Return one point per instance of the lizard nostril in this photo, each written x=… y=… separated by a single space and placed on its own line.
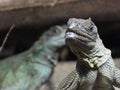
x=69 y=30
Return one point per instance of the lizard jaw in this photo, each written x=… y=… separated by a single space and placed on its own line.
x=79 y=34
x=75 y=36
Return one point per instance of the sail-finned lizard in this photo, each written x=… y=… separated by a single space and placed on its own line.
x=95 y=69
x=29 y=70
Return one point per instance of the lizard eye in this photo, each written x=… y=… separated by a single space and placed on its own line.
x=91 y=28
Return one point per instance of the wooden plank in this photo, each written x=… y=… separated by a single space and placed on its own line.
x=99 y=10
x=17 y=4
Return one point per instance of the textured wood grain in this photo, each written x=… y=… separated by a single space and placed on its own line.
x=49 y=12
x=17 y=4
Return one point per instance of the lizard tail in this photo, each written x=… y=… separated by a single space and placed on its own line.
x=70 y=82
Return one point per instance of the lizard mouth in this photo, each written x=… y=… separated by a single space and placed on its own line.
x=75 y=34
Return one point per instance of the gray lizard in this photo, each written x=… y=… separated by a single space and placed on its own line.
x=30 y=69
x=95 y=69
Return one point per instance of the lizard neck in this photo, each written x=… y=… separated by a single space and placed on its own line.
x=46 y=50
x=97 y=56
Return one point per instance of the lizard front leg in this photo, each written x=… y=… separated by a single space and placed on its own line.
x=104 y=80
x=80 y=79
x=103 y=83
x=116 y=77
x=71 y=82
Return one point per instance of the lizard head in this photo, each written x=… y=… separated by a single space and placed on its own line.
x=81 y=33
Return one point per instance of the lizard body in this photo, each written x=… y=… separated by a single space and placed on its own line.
x=95 y=69
x=30 y=69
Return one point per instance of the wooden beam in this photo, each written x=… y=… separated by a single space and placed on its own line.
x=42 y=13
x=18 y=4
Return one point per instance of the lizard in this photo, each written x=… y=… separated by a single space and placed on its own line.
x=95 y=68
x=32 y=68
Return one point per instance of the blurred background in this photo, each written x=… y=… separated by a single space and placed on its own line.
x=33 y=17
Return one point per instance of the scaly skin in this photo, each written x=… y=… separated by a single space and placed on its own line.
x=95 y=69
x=30 y=69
